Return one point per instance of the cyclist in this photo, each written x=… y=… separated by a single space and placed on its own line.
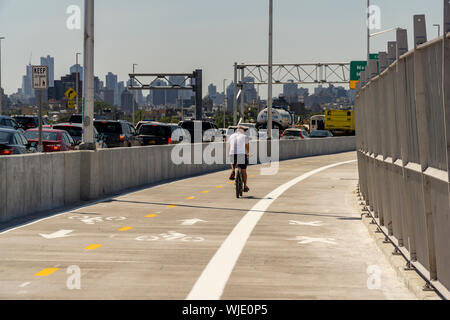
x=239 y=149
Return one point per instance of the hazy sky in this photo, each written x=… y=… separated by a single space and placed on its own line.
x=183 y=35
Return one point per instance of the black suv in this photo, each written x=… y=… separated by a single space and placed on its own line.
x=210 y=132
x=30 y=122
x=118 y=134
x=8 y=122
x=155 y=134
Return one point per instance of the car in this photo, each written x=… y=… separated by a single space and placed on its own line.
x=118 y=133
x=140 y=123
x=30 y=122
x=76 y=132
x=320 y=134
x=178 y=134
x=155 y=134
x=292 y=134
x=8 y=122
x=77 y=118
x=210 y=132
x=53 y=140
x=14 y=142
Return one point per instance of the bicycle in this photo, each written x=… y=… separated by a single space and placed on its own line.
x=239 y=183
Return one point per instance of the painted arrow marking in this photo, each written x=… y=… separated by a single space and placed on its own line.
x=306 y=240
x=191 y=222
x=312 y=224
x=57 y=234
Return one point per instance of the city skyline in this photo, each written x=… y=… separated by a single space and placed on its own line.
x=217 y=45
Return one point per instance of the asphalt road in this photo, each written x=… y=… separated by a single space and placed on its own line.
x=297 y=235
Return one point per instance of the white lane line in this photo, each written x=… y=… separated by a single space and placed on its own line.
x=212 y=281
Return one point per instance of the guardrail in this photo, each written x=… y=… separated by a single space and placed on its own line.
x=403 y=144
x=35 y=183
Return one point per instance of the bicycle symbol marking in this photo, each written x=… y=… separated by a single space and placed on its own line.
x=170 y=236
x=93 y=220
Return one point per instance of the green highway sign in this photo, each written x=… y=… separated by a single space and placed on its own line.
x=356 y=67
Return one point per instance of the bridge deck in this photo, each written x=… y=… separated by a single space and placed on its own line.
x=305 y=242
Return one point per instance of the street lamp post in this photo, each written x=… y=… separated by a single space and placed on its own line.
x=224 y=102
x=77 y=81
x=134 y=64
x=88 y=83
x=269 y=97
x=439 y=29
x=1 y=92
x=368 y=31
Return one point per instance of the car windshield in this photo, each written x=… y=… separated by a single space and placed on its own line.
x=155 y=130
x=75 y=119
x=188 y=125
x=46 y=136
x=319 y=133
x=73 y=131
x=108 y=127
x=292 y=133
x=5 y=137
x=24 y=120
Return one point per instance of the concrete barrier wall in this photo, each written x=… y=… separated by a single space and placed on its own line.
x=31 y=184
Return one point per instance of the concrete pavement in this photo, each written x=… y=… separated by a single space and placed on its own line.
x=157 y=243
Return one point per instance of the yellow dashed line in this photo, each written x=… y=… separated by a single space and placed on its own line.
x=46 y=272
x=172 y=206
x=125 y=228
x=219 y=187
x=205 y=191
x=151 y=215
x=230 y=182
x=190 y=198
x=93 y=247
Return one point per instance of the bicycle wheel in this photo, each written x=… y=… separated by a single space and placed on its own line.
x=238 y=184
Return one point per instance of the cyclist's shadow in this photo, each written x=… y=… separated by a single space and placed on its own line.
x=255 y=198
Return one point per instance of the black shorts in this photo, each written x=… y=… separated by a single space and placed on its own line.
x=241 y=160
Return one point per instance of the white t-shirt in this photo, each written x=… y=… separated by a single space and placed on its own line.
x=237 y=142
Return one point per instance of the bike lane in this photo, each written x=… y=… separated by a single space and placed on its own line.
x=150 y=244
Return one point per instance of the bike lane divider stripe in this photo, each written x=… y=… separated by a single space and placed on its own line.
x=46 y=272
x=211 y=283
x=93 y=247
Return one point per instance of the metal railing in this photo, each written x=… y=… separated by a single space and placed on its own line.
x=403 y=141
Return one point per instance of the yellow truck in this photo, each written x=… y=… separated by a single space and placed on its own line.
x=340 y=122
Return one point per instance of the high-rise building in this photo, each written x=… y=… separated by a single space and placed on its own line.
x=126 y=101
x=73 y=69
x=111 y=81
x=111 y=84
x=250 y=93
x=50 y=63
x=107 y=95
x=27 y=86
x=159 y=96
x=120 y=88
x=212 y=90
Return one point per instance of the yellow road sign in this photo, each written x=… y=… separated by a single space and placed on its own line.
x=70 y=94
x=70 y=104
x=353 y=84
